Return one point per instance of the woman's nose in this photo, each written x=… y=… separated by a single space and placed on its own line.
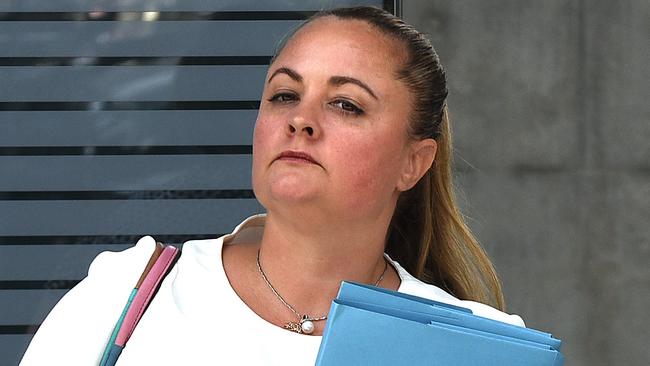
x=302 y=125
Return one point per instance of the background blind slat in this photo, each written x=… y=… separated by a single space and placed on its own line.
x=124 y=216
x=126 y=128
x=84 y=173
x=49 y=262
x=128 y=83
x=178 y=5
x=137 y=38
x=27 y=306
x=12 y=347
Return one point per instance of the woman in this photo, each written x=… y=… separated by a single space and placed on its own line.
x=351 y=159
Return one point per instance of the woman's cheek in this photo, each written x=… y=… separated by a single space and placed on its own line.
x=261 y=136
x=370 y=171
x=258 y=130
x=260 y=149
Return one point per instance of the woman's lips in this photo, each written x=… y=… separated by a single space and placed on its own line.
x=297 y=156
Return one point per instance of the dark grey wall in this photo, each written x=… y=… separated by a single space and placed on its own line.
x=552 y=129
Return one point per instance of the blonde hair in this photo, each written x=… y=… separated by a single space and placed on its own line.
x=429 y=237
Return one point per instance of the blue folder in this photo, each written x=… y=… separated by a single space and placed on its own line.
x=368 y=325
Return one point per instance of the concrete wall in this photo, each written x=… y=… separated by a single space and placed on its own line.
x=550 y=110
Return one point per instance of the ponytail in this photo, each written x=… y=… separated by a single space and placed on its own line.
x=429 y=237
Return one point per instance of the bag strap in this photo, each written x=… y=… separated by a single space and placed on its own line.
x=160 y=263
x=152 y=260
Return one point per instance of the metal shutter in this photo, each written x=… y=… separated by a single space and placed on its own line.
x=120 y=119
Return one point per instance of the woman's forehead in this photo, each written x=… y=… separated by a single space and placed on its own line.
x=337 y=45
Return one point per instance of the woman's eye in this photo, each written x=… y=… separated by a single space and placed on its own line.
x=347 y=107
x=283 y=97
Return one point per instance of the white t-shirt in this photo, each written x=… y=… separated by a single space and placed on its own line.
x=196 y=317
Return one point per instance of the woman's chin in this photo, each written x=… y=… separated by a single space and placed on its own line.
x=293 y=194
x=292 y=187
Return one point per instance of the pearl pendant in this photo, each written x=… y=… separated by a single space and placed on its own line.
x=306 y=325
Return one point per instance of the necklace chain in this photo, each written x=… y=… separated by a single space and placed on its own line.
x=298 y=327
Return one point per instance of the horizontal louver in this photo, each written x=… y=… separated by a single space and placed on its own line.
x=123 y=119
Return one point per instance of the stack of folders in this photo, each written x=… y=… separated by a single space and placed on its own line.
x=374 y=326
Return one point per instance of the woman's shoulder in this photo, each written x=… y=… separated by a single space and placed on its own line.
x=131 y=258
x=413 y=286
x=128 y=264
x=78 y=327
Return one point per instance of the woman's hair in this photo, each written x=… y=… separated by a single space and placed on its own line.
x=427 y=234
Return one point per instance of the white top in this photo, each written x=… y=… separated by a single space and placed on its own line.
x=195 y=319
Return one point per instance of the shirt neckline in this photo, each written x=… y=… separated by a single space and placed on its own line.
x=258 y=220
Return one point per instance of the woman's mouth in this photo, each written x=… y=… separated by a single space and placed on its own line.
x=297 y=156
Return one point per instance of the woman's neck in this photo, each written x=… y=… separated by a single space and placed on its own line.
x=306 y=262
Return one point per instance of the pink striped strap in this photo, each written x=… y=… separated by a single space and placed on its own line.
x=145 y=293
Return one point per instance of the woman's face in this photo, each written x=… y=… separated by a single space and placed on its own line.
x=332 y=93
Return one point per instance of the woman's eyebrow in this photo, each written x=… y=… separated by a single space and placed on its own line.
x=285 y=70
x=334 y=80
x=340 y=80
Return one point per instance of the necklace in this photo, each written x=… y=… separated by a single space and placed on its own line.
x=306 y=323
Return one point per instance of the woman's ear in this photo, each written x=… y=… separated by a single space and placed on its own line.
x=420 y=156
